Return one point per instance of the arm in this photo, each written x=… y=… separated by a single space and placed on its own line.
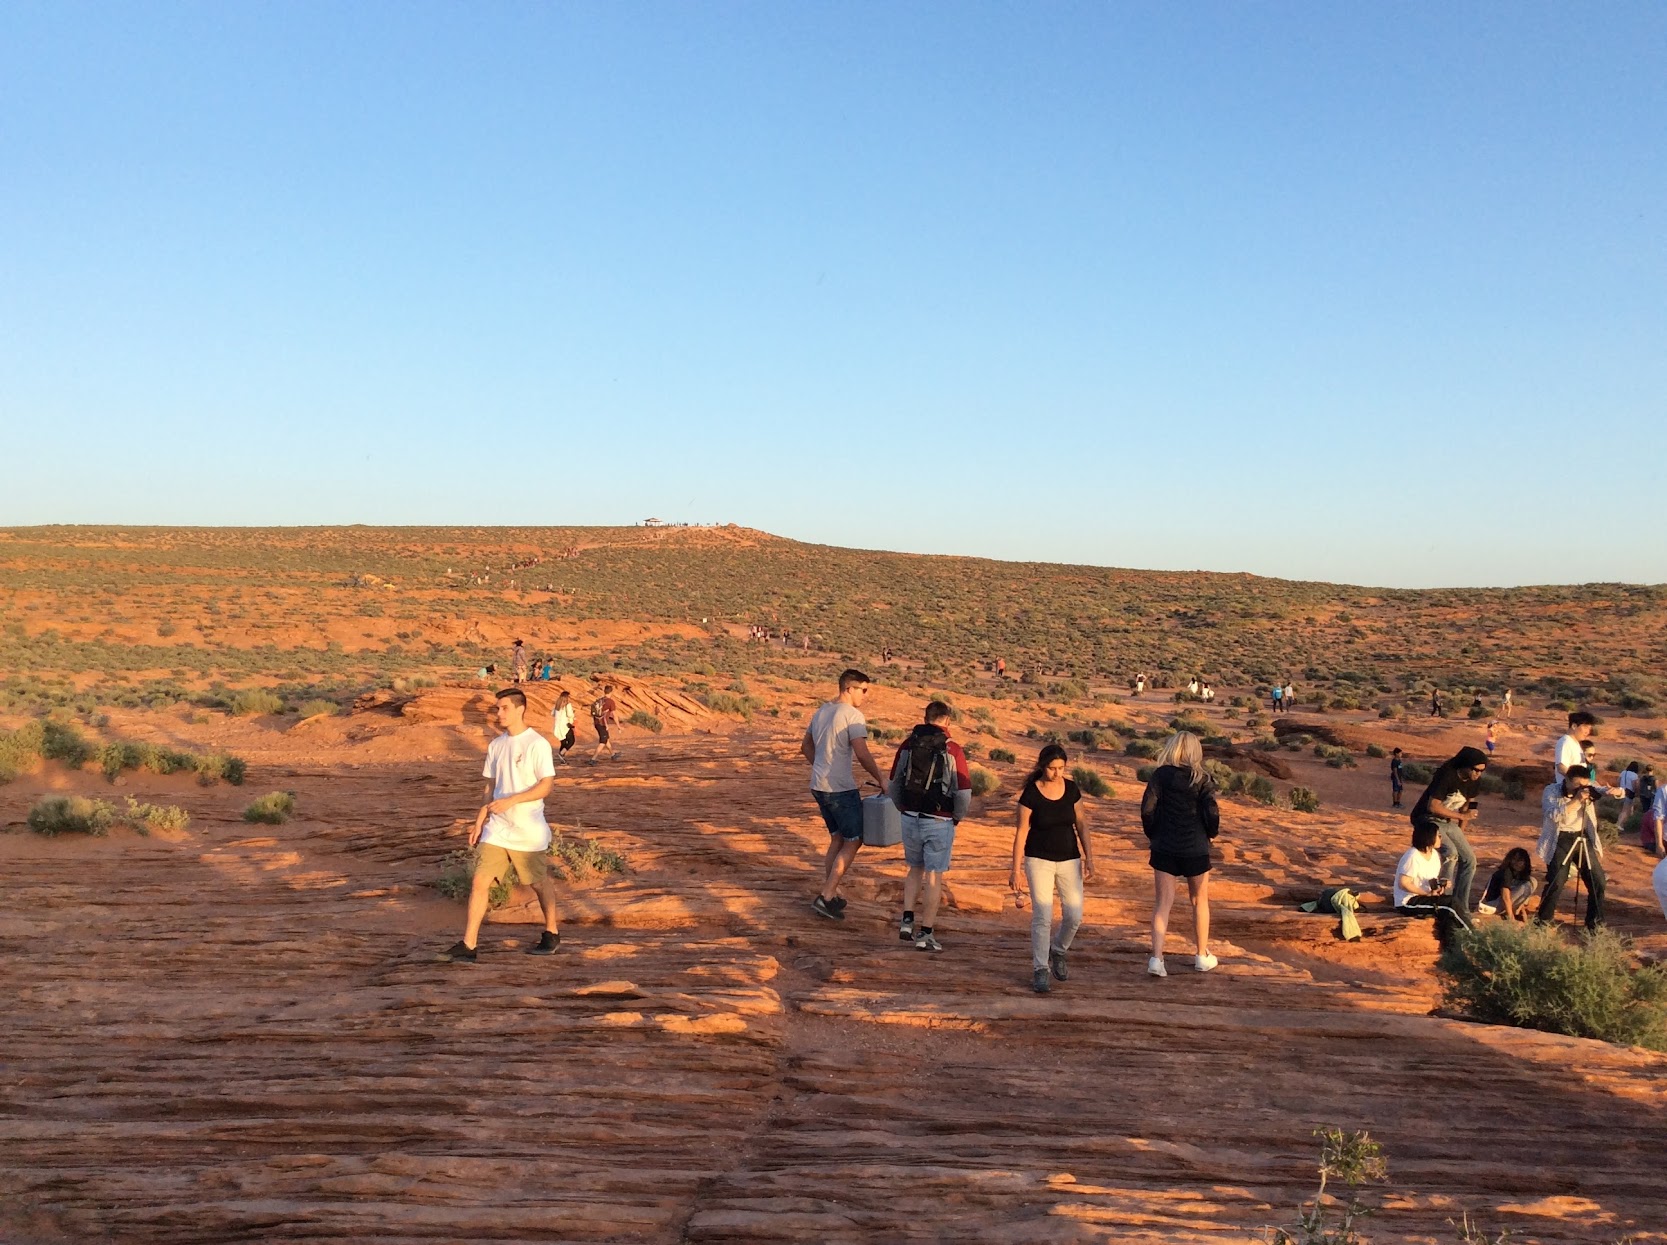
x=538 y=791
x=865 y=758
x=1209 y=811
x=480 y=817
x=1085 y=842
x=807 y=746
x=1021 y=824
x=963 y=784
x=1416 y=886
x=1149 y=808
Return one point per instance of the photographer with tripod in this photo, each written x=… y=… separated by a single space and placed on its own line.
x=1569 y=840
x=1447 y=806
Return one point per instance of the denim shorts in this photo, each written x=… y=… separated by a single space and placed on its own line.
x=927 y=842
x=842 y=811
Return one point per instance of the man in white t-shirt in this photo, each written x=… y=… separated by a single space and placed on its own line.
x=513 y=836
x=1570 y=751
x=836 y=738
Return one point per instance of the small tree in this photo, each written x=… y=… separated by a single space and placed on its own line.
x=1356 y=1160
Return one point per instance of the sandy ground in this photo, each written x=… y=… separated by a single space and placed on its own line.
x=239 y=1032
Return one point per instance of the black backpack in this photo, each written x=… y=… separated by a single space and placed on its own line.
x=1646 y=790
x=928 y=775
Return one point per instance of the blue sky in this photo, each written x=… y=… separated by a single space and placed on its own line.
x=1366 y=293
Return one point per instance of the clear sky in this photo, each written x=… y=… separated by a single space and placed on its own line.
x=1374 y=293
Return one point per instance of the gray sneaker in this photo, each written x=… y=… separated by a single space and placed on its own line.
x=906 y=931
x=926 y=942
x=823 y=908
x=1056 y=961
x=1039 y=981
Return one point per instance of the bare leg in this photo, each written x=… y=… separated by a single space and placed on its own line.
x=1199 y=889
x=1163 y=892
x=911 y=889
x=934 y=891
x=477 y=907
x=547 y=901
x=841 y=852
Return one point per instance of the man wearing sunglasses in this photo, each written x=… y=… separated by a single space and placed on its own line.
x=837 y=738
x=1449 y=805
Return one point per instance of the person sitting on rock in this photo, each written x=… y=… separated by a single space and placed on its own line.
x=1419 y=888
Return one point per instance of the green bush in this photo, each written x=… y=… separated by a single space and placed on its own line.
x=1356 y=1160
x=273 y=808
x=1145 y=749
x=71 y=814
x=19 y=750
x=1303 y=800
x=62 y=742
x=1375 y=750
x=317 y=706
x=983 y=781
x=741 y=706
x=1530 y=976
x=1002 y=754
x=568 y=856
x=253 y=701
x=219 y=766
x=646 y=720
x=155 y=816
x=1193 y=723
x=1418 y=771
x=1145 y=772
x=1091 y=781
x=1334 y=756
x=1087 y=737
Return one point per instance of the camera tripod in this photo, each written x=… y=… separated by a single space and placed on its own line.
x=1576 y=858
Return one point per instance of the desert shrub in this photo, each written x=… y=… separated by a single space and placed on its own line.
x=646 y=720
x=741 y=706
x=1418 y=771
x=71 y=814
x=1561 y=706
x=253 y=701
x=1353 y=1158
x=219 y=766
x=1091 y=781
x=273 y=808
x=1087 y=737
x=1514 y=789
x=1345 y=702
x=1632 y=702
x=317 y=706
x=1375 y=750
x=576 y=854
x=983 y=781
x=116 y=757
x=1230 y=781
x=1388 y=711
x=1267 y=742
x=1067 y=690
x=1334 y=756
x=155 y=816
x=1142 y=748
x=1145 y=772
x=1657 y=734
x=1002 y=754
x=1191 y=722
x=62 y=742
x=1303 y=800
x=1478 y=711
x=1530 y=976
x=19 y=750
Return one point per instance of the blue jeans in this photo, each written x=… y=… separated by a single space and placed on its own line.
x=1458 y=865
x=842 y=812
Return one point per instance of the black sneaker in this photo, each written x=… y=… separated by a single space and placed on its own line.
x=546 y=944
x=458 y=953
x=824 y=908
x=1039 y=981
x=906 y=931
x=1056 y=961
x=837 y=902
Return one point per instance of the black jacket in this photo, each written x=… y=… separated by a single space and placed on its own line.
x=1179 y=818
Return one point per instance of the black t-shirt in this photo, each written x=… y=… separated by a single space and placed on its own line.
x=1053 y=823
x=1499 y=883
x=1446 y=783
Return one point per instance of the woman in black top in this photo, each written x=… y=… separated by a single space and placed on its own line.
x=1051 y=849
x=1449 y=805
x=1180 y=816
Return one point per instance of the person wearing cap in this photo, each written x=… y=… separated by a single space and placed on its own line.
x=1448 y=805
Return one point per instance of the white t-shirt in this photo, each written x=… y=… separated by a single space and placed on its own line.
x=833 y=727
x=1568 y=753
x=515 y=763
x=561 y=720
x=1629 y=780
x=1420 y=866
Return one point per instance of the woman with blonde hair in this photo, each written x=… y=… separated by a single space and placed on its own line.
x=1180 y=816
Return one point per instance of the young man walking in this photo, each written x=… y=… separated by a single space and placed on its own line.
x=1397 y=777
x=932 y=788
x=510 y=826
x=837 y=738
x=603 y=713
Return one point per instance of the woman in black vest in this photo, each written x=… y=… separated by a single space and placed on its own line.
x=1180 y=816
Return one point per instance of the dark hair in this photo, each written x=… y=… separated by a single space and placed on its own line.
x=1397 y=752
x=852 y=676
x=1519 y=865
x=514 y=694
x=1578 y=771
x=1424 y=835
x=1581 y=718
x=937 y=711
x=1632 y=767
x=1049 y=754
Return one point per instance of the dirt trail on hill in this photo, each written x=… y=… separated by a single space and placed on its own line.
x=239 y=1033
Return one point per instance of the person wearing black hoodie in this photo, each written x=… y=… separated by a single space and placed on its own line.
x=1449 y=805
x=1180 y=816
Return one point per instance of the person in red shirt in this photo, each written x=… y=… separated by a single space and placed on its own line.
x=932 y=788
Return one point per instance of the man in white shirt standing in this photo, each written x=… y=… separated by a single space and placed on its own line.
x=510 y=827
x=836 y=738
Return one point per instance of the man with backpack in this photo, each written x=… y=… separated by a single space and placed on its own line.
x=602 y=717
x=932 y=789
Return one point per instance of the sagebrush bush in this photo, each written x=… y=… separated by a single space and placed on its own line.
x=1144 y=749
x=71 y=814
x=983 y=781
x=317 y=706
x=1303 y=800
x=1003 y=754
x=646 y=720
x=155 y=816
x=1091 y=781
x=1530 y=976
x=62 y=742
x=569 y=855
x=273 y=808
x=19 y=750
x=253 y=701
x=1375 y=750
x=221 y=766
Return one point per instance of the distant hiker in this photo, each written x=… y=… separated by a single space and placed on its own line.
x=510 y=829
x=1278 y=697
x=561 y=725
x=1420 y=889
x=1205 y=693
x=1447 y=806
x=546 y=669
x=932 y=788
x=1139 y=684
x=603 y=711
x=1180 y=816
x=1477 y=709
x=1510 y=887
x=1491 y=738
x=1397 y=778
x=885 y=655
x=1652 y=798
x=1569 y=841
x=1435 y=704
x=1506 y=703
x=1290 y=698
x=1629 y=784
x=1192 y=686
x=1001 y=668
x=837 y=738
x=1051 y=850
x=518 y=662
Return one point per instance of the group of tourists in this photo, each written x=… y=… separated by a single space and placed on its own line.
x=1053 y=847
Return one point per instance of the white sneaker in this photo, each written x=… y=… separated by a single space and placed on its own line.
x=1204 y=963
x=1155 y=967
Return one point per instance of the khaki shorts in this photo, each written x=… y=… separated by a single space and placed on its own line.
x=504 y=864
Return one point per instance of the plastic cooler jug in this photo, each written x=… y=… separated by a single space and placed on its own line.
x=882 y=824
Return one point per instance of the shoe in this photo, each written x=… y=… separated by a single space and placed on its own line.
x=1204 y=963
x=1039 y=981
x=926 y=942
x=458 y=953
x=1056 y=961
x=823 y=908
x=546 y=944
x=838 y=902
x=906 y=931
x=1155 y=966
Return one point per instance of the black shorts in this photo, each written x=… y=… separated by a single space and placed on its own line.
x=1180 y=866
x=601 y=731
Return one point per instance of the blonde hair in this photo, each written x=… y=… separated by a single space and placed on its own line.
x=1183 y=751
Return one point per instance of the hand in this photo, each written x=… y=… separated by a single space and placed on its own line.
x=480 y=824
x=1015 y=882
x=1087 y=870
